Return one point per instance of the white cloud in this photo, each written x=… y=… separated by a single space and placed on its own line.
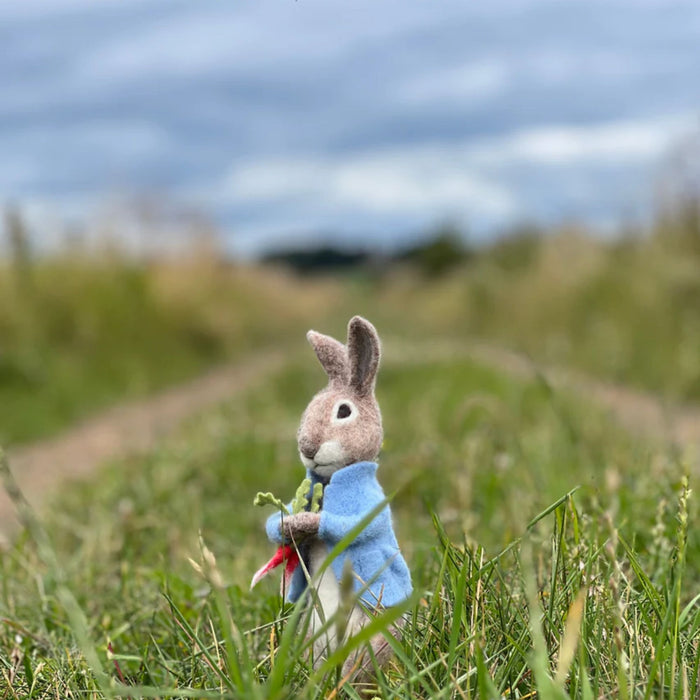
x=220 y=38
x=474 y=81
x=104 y=150
x=633 y=141
x=412 y=180
x=47 y=8
x=464 y=179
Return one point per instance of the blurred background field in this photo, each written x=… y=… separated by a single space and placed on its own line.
x=82 y=329
x=189 y=187
x=85 y=327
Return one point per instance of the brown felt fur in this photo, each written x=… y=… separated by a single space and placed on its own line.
x=300 y=526
x=364 y=351
x=352 y=373
x=332 y=355
x=361 y=659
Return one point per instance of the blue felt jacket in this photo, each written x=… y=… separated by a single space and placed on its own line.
x=352 y=493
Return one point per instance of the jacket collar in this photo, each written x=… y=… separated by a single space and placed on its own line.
x=346 y=475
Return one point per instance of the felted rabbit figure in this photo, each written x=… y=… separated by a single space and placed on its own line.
x=339 y=440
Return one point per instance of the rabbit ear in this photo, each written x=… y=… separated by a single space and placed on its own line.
x=364 y=351
x=332 y=355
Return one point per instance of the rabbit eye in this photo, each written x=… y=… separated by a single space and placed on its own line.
x=344 y=411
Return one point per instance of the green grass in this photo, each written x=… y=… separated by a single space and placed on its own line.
x=510 y=562
x=80 y=333
x=623 y=310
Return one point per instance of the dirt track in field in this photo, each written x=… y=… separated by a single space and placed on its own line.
x=639 y=412
x=136 y=426
x=128 y=428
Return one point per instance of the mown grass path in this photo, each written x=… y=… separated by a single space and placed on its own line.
x=136 y=426
x=637 y=411
x=127 y=428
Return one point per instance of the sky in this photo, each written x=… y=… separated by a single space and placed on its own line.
x=360 y=122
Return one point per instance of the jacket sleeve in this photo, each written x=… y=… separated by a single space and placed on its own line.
x=332 y=527
x=272 y=526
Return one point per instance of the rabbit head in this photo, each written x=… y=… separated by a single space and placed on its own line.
x=342 y=424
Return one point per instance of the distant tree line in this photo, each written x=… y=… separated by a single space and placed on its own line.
x=434 y=254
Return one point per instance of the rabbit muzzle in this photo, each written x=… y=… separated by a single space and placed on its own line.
x=327 y=459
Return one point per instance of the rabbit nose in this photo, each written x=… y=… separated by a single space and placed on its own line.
x=308 y=446
x=307 y=450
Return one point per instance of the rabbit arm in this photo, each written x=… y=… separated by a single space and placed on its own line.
x=333 y=528
x=296 y=528
x=283 y=530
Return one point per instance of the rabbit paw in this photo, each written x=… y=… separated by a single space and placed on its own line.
x=300 y=526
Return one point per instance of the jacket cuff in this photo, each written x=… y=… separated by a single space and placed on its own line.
x=273 y=530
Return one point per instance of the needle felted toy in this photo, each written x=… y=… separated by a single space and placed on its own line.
x=339 y=440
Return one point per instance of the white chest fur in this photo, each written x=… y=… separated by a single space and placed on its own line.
x=327 y=593
x=325 y=601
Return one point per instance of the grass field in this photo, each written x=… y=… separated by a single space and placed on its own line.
x=626 y=310
x=549 y=551
x=80 y=333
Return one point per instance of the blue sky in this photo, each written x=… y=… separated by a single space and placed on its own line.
x=362 y=120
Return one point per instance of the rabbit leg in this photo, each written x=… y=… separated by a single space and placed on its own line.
x=361 y=660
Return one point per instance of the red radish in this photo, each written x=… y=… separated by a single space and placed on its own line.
x=286 y=554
